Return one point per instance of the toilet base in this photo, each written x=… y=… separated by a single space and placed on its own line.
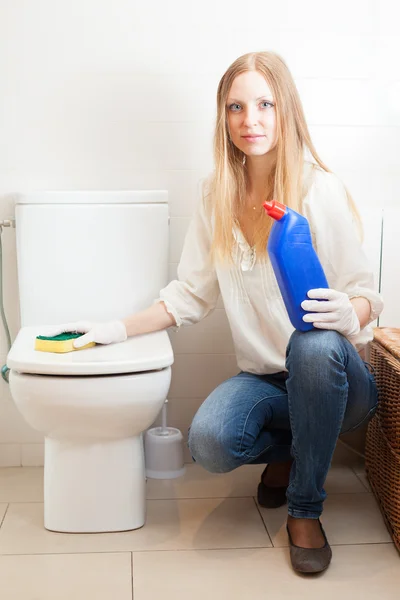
x=94 y=487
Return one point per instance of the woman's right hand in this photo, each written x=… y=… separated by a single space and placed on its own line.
x=108 y=332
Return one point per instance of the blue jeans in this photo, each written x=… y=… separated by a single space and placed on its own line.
x=299 y=414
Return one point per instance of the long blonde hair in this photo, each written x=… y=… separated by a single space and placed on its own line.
x=226 y=189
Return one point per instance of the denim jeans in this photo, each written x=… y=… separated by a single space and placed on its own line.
x=299 y=414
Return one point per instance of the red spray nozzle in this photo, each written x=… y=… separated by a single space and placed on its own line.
x=275 y=209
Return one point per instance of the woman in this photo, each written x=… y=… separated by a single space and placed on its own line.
x=296 y=392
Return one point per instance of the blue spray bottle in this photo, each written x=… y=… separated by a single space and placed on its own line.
x=296 y=265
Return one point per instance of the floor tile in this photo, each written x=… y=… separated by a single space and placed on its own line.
x=171 y=525
x=25 y=484
x=21 y=484
x=198 y=483
x=346 y=457
x=362 y=476
x=63 y=577
x=356 y=573
x=347 y=519
x=342 y=480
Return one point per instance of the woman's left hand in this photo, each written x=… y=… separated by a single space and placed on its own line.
x=336 y=312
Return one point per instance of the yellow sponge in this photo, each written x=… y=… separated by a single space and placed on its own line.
x=59 y=343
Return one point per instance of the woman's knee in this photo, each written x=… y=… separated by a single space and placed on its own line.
x=210 y=446
x=315 y=347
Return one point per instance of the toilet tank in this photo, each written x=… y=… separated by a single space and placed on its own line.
x=90 y=255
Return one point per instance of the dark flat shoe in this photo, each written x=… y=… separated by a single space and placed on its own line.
x=310 y=560
x=270 y=497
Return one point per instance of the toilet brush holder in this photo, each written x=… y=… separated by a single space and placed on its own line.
x=163 y=450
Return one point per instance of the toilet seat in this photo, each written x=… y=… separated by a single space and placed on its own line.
x=149 y=352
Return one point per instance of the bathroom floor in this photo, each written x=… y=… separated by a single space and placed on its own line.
x=205 y=537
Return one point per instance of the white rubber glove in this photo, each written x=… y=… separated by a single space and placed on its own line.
x=102 y=333
x=337 y=312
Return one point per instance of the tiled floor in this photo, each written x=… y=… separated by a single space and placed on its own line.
x=205 y=537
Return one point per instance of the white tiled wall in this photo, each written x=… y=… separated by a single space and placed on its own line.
x=390 y=272
x=121 y=95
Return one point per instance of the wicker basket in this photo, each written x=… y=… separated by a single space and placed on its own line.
x=382 y=448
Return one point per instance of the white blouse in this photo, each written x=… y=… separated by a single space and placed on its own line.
x=257 y=315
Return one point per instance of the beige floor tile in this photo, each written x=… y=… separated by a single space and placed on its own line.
x=345 y=457
x=362 y=476
x=66 y=577
x=21 y=484
x=342 y=480
x=347 y=519
x=359 y=468
x=25 y=484
x=356 y=573
x=198 y=483
x=171 y=525
x=3 y=509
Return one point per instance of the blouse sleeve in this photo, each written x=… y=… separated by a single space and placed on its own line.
x=337 y=242
x=194 y=294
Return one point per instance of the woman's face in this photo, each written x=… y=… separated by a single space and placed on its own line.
x=251 y=114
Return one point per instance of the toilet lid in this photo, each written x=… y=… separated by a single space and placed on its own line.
x=139 y=353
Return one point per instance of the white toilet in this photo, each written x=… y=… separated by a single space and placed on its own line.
x=95 y=256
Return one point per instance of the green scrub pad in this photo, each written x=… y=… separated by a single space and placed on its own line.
x=59 y=343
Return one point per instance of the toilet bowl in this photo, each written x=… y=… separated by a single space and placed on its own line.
x=92 y=407
x=91 y=255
